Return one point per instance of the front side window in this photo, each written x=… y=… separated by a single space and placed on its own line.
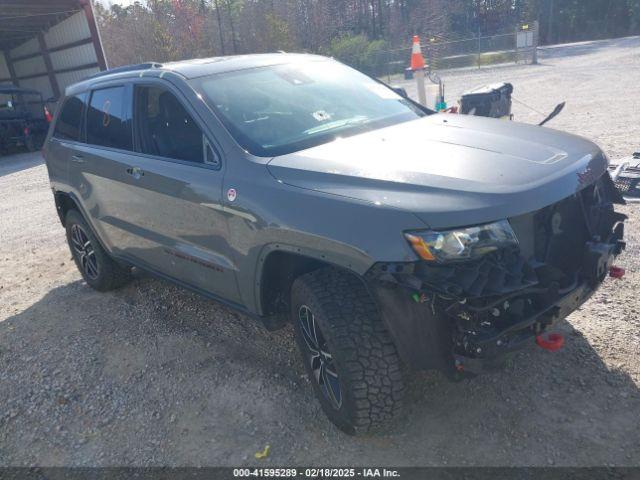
x=107 y=119
x=69 y=121
x=281 y=109
x=165 y=128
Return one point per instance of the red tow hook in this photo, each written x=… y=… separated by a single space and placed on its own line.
x=551 y=342
x=616 y=272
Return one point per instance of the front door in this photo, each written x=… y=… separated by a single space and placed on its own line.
x=174 y=207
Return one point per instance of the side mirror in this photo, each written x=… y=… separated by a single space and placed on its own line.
x=400 y=91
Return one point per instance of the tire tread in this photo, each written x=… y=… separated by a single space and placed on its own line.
x=357 y=332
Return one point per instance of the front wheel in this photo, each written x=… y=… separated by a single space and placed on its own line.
x=349 y=356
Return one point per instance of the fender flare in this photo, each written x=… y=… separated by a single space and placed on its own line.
x=74 y=198
x=358 y=268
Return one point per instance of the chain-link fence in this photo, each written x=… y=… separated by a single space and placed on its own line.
x=519 y=45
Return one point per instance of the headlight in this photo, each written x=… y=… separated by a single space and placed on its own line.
x=463 y=243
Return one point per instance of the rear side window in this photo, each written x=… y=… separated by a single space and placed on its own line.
x=69 y=122
x=108 y=119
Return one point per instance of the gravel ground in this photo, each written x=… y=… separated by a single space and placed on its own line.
x=154 y=375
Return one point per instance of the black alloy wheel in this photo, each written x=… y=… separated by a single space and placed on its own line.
x=84 y=251
x=320 y=357
x=98 y=269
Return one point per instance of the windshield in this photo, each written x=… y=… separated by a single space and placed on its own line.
x=281 y=109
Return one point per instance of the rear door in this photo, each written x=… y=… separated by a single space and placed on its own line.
x=66 y=138
x=174 y=205
x=99 y=163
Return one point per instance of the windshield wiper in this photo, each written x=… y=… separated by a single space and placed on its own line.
x=337 y=124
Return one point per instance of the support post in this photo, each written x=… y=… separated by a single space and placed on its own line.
x=388 y=62
x=422 y=96
x=55 y=88
x=536 y=37
x=95 y=34
x=417 y=65
x=12 y=70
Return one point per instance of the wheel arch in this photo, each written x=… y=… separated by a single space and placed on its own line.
x=64 y=202
x=279 y=266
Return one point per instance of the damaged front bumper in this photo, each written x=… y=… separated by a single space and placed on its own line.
x=465 y=316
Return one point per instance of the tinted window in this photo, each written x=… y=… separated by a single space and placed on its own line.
x=7 y=105
x=33 y=105
x=107 y=119
x=70 y=119
x=165 y=128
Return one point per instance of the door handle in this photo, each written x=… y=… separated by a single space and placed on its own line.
x=77 y=158
x=135 y=172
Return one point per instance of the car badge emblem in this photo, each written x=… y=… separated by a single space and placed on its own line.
x=232 y=194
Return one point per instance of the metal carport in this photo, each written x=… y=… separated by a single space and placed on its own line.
x=46 y=45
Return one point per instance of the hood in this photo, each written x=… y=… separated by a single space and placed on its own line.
x=450 y=170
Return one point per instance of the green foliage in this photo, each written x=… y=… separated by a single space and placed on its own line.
x=359 y=52
x=278 y=36
x=371 y=35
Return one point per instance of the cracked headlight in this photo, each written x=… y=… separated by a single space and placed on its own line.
x=462 y=243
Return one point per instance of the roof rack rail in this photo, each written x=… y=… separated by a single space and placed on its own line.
x=127 y=68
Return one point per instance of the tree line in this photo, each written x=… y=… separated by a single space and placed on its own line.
x=165 y=30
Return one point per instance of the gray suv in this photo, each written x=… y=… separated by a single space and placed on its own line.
x=298 y=190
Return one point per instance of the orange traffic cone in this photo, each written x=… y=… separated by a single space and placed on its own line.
x=417 y=60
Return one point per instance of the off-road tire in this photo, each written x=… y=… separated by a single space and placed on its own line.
x=29 y=144
x=108 y=275
x=365 y=358
x=33 y=143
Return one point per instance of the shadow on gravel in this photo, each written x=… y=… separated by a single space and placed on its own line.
x=21 y=161
x=152 y=374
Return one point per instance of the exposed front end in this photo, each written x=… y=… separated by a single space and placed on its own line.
x=470 y=309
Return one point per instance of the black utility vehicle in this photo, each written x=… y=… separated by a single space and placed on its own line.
x=24 y=118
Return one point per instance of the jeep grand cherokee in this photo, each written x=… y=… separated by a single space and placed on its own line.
x=296 y=189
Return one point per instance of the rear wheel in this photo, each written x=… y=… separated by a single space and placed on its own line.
x=97 y=268
x=349 y=356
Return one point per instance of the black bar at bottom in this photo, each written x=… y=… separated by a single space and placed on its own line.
x=284 y=472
